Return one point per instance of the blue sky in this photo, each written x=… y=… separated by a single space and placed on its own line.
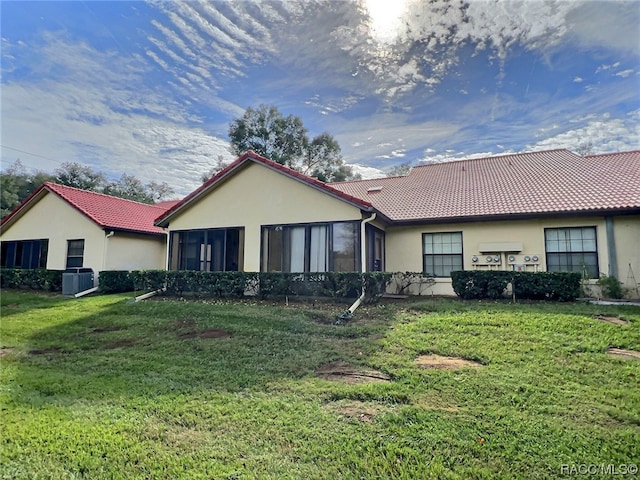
x=149 y=88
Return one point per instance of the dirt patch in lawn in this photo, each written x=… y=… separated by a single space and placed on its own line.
x=44 y=351
x=343 y=372
x=438 y=362
x=362 y=411
x=211 y=333
x=622 y=353
x=612 y=320
x=6 y=351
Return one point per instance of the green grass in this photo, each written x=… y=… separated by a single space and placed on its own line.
x=105 y=388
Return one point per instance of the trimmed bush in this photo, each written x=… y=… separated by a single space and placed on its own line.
x=115 y=281
x=492 y=284
x=237 y=284
x=38 y=279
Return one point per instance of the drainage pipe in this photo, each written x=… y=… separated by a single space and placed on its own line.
x=86 y=292
x=144 y=296
x=363 y=260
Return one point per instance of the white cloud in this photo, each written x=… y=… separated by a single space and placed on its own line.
x=625 y=73
x=600 y=133
x=452 y=156
x=367 y=172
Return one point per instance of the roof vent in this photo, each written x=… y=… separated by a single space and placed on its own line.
x=374 y=189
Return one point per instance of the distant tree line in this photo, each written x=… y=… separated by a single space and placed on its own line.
x=16 y=184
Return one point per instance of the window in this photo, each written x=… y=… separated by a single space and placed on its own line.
x=572 y=250
x=442 y=253
x=75 y=253
x=214 y=250
x=325 y=247
x=25 y=254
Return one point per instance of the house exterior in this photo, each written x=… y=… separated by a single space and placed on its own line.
x=257 y=215
x=59 y=227
x=540 y=211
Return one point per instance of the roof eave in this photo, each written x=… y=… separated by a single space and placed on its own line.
x=519 y=216
x=107 y=228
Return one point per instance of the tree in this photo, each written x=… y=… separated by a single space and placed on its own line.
x=159 y=191
x=219 y=165
x=80 y=176
x=284 y=140
x=585 y=148
x=399 y=170
x=16 y=184
x=132 y=188
x=268 y=133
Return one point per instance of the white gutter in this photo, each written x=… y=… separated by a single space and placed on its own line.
x=363 y=261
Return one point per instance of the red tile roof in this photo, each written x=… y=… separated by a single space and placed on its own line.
x=110 y=213
x=250 y=157
x=555 y=181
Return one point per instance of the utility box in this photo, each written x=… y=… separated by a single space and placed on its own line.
x=75 y=280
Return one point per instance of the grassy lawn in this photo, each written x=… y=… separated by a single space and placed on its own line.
x=104 y=388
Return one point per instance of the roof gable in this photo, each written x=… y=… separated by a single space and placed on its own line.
x=555 y=181
x=238 y=165
x=107 y=212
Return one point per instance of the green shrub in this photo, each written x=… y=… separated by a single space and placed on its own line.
x=492 y=284
x=38 y=279
x=115 y=281
x=611 y=287
x=237 y=284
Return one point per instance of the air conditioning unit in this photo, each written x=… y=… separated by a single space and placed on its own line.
x=76 y=280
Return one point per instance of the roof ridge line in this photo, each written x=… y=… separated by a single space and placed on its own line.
x=500 y=155
x=56 y=185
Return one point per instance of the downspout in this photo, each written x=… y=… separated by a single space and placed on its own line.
x=104 y=251
x=363 y=266
x=612 y=255
x=166 y=260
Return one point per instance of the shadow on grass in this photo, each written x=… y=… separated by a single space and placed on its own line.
x=173 y=347
x=14 y=302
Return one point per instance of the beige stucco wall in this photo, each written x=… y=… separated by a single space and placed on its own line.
x=404 y=244
x=258 y=196
x=53 y=218
x=124 y=251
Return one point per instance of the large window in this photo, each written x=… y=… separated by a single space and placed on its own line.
x=25 y=254
x=213 y=250
x=572 y=250
x=442 y=253
x=75 y=253
x=324 y=247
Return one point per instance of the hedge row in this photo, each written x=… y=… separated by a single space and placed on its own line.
x=559 y=286
x=238 y=284
x=39 y=279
